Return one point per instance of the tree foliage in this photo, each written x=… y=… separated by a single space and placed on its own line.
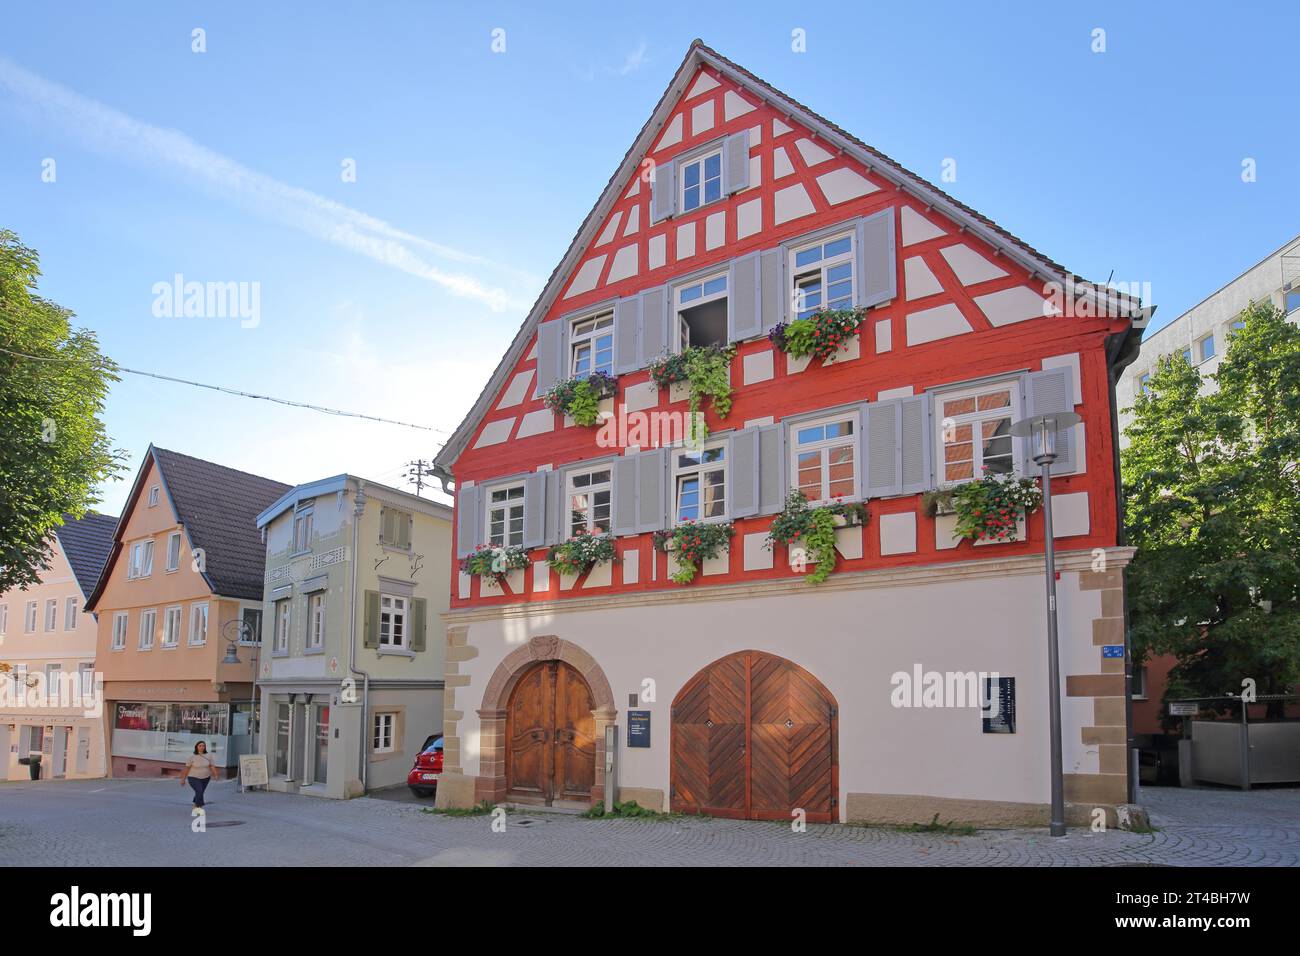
x=1213 y=507
x=53 y=447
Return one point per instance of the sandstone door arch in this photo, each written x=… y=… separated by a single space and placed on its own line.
x=550 y=737
x=755 y=736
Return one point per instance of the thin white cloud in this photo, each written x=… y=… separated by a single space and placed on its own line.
x=635 y=60
x=106 y=130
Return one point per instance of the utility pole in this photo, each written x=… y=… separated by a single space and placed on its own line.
x=417 y=471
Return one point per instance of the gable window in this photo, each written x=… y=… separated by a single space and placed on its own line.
x=392 y=621
x=1205 y=348
x=70 y=614
x=824 y=459
x=701 y=180
x=589 y=501
x=591 y=345
x=172 y=626
x=505 y=516
x=141 y=564
x=148 y=627
x=823 y=276
x=700 y=484
x=316 y=621
x=975 y=439
x=29 y=618
x=173 y=551
x=702 y=312
x=302 y=519
x=153 y=497
x=119 y=630
x=396 y=529
x=198 y=624
x=383 y=735
x=51 y=614
x=282 y=626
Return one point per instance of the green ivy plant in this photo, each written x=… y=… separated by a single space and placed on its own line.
x=693 y=542
x=581 y=552
x=800 y=524
x=705 y=369
x=487 y=561
x=579 y=398
x=989 y=509
x=820 y=335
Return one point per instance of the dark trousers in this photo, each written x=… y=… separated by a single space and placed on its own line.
x=199 y=786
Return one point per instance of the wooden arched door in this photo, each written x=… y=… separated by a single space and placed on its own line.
x=550 y=737
x=755 y=736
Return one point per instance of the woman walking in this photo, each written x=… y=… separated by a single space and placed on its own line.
x=199 y=771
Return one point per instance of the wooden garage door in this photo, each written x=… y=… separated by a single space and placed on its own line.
x=754 y=736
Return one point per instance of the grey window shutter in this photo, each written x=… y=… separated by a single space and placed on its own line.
x=880 y=450
x=556 y=526
x=469 y=528
x=735 y=162
x=625 y=510
x=772 y=485
x=915 y=443
x=663 y=194
x=772 y=284
x=654 y=325
x=627 y=335
x=877 y=275
x=418 y=623
x=550 y=354
x=742 y=473
x=1051 y=390
x=370 y=630
x=744 y=299
x=651 y=495
x=535 y=509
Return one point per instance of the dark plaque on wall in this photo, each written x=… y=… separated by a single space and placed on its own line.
x=638 y=728
x=999 y=705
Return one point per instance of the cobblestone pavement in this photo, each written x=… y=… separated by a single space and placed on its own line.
x=147 y=822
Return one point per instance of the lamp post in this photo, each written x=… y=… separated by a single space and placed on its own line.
x=1041 y=431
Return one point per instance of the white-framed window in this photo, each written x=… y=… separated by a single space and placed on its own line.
x=173 y=551
x=29 y=618
x=70 y=614
x=700 y=180
x=505 y=516
x=86 y=673
x=590 y=500
x=700 y=484
x=822 y=275
x=20 y=681
x=1291 y=300
x=153 y=497
x=4 y=619
x=316 y=620
x=302 y=522
x=141 y=564
x=974 y=437
x=148 y=627
x=396 y=531
x=53 y=674
x=172 y=618
x=392 y=620
x=198 y=624
x=251 y=633
x=282 y=626
x=701 y=307
x=382 y=738
x=824 y=458
x=119 y=630
x=51 y=614
x=1205 y=348
x=591 y=345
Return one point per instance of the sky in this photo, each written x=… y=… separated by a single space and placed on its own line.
x=395 y=181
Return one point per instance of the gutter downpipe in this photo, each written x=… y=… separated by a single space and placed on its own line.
x=357 y=512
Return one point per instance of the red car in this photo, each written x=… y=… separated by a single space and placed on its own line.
x=423 y=778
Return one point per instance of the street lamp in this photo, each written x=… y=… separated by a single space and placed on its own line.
x=1042 y=431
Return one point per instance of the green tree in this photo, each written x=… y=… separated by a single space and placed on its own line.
x=1212 y=504
x=53 y=447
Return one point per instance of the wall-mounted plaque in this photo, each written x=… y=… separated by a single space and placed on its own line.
x=638 y=728
x=999 y=705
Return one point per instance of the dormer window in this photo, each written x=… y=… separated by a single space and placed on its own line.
x=701 y=180
x=591 y=346
x=302 y=527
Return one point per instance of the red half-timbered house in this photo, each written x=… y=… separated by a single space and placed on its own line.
x=737 y=210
